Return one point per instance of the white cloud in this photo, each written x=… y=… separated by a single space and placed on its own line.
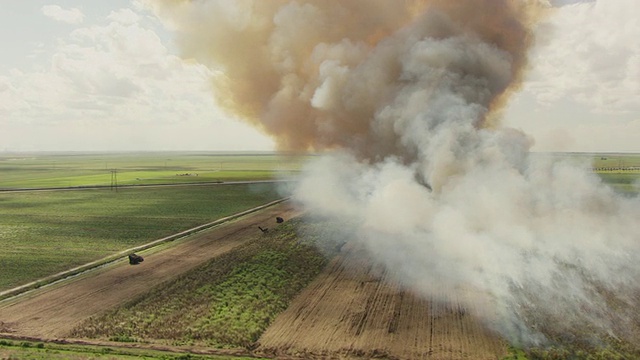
x=567 y=2
x=591 y=54
x=124 y=16
x=69 y=16
x=114 y=85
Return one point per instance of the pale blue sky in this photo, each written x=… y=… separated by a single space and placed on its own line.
x=104 y=75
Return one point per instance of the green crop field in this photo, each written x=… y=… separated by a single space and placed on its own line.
x=44 y=232
x=621 y=171
x=36 y=170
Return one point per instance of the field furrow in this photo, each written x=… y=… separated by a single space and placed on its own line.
x=356 y=309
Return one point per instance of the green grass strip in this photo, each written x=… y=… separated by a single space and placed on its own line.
x=34 y=350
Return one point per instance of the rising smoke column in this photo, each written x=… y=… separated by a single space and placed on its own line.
x=407 y=95
x=314 y=73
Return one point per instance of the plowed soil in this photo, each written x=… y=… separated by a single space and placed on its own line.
x=52 y=312
x=354 y=309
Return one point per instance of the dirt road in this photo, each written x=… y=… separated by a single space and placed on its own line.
x=355 y=309
x=51 y=312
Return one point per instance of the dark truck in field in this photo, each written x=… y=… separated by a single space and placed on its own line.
x=135 y=259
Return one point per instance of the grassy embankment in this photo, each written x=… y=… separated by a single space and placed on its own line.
x=11 y=349
x=226 y=303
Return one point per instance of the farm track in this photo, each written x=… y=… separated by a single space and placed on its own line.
x=354 y=309
x=52 y=312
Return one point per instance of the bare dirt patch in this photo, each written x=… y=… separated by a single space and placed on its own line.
x=354 y=309
x=52 y=312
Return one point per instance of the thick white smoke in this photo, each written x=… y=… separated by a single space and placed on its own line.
x=454 y=205
x=540 y=248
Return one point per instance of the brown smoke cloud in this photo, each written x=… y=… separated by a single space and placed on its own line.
x=314 y=74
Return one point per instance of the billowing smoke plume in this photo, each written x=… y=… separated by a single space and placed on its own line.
x=407 y=95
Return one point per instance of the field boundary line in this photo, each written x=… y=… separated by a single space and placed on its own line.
x=170 y=349
x=141 y=186
x=63 y=275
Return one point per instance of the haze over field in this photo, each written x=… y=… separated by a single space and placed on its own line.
x=424 y=172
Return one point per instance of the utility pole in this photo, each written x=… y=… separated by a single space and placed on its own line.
x=114 y=180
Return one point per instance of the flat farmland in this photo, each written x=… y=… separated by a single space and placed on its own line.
x=230 y=303
x=42 y=233
x=45 y=232
x=38 y=170
x=621 y=171
x=53 y=312
x=233 y=290
x=229 y=290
